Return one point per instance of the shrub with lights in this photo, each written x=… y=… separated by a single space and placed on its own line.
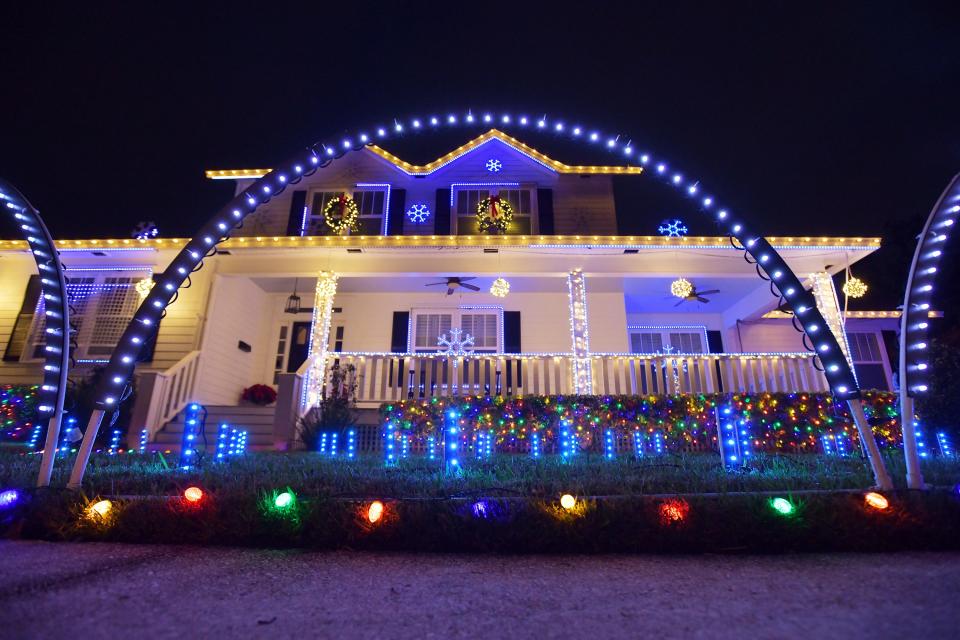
x=764 y=422
x=18 y=412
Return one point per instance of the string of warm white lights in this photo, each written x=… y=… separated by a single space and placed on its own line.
x=320 y=336
x=579 y=333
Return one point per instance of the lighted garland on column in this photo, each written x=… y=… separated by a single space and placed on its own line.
x=494 y=213
x=341 y=214
x=320 y=338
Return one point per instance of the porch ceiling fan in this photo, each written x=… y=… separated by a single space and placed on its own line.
x=454 y=282
x=687 y=292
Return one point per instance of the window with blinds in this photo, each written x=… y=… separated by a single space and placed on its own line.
x=101 y=307
x=656 y=340
x=467 y=200
x=429 y=325
x=371 y=203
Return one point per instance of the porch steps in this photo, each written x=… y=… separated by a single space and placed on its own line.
x=257 y=421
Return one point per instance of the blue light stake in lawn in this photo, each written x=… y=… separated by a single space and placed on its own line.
x=192 y=425
x=451 y=441
x=223 y=440
x=56 y=310
x=609 y=450
x=757 y=251
x=535 y=445
x=638 y=444
x=733 y=437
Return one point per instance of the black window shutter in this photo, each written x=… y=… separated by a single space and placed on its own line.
x=21 y=327
x=398 y=200
x=545 y=205
x=441 y=213
x=295 y=221
x=511 y=332
x=714 y=342
x=401 y=328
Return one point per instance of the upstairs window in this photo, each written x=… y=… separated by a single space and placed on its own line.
x=667 y=340
x=101 y=307
x=467 y=199
x=371 y=202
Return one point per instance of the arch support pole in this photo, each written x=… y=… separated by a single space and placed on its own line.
x=880 y=474
x=910 y=451
x=83 y=457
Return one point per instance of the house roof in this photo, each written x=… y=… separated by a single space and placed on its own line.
x=430 y=167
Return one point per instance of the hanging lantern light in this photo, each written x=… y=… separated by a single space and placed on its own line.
x=293 y=301
x=500 y=288
x=681 y=288
x=854 y=288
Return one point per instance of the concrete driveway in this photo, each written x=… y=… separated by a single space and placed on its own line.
x=85 y=591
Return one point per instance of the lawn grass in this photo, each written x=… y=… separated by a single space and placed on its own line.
x=619 y=504
x=505 y=475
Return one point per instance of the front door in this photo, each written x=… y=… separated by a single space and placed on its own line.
x=299 y=346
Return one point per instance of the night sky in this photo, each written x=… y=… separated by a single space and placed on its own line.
x=833 y=119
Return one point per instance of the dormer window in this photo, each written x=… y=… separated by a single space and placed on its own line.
x=467 y=198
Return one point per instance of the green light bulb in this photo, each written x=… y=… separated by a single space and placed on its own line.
x=782 y=506
x=283 y=500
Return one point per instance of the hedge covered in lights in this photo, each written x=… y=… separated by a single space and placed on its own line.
x=779 y=422
x=18 y=411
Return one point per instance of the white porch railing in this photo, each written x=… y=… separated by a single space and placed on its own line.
x=387 y=377
x=166 y=393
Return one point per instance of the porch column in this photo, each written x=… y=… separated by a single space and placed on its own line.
x=579 y=333
x=320 y=338
x=826 y=296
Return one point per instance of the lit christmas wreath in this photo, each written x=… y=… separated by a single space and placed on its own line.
x=341 y=214
x=494 y=213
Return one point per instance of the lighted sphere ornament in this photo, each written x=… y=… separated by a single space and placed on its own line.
x=854 y=288
x=341 y=214
x=672 y=228
x=567 y=501
x=8 y=498
x=681 y=288
x=494 y=213
x=500 y=288
x=193 y=494
x=143 y=287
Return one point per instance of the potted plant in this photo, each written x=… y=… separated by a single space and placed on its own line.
x=334 y=413
x=259 y=394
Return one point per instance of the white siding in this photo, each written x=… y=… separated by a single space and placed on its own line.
x=15 y=272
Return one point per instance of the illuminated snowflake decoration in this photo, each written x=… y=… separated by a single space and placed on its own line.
x=145 y=231
x=418 y=213
x=493 y=165
x=458 y=344
x=673 y=228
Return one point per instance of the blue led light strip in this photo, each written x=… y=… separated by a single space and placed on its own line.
x=192 y=426
x=451 y=440
x=53 y=288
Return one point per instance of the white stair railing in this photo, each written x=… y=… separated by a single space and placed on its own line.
x=168 y=392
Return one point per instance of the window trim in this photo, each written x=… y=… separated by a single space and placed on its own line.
x=99 y=275
x=386 y=188
x=455 y=321
x=665 y=330
x=494 y=188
